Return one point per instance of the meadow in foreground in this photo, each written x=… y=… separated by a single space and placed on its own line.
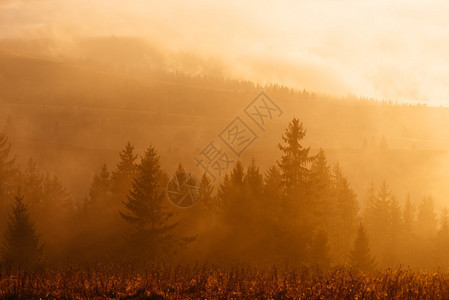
x=213 y=282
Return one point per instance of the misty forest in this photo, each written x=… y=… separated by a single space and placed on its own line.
x=181 y=151
x=285 y=204
x=301 y=210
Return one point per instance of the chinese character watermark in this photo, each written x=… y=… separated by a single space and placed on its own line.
x=262 y=109
x=237 y=136
x=215 y=160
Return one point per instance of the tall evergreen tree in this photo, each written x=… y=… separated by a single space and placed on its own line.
x=320 y=251
x=396 y=232
x=273 y=210
x=360 y=256
x=56 y=208
x=21 y=246
x=254 y=181
x=273 y=186
x=123 y=175
x=426 y=229
x=207 y=201
x=96 y=223
x=408 y=217
x=295 y=159
x=321 y=185
x=56 y=198
x=345 y=215
x=297 y=218
x=426 y=218
x=379 y=223
x=408 y=232
x=7 y=169
x=152 y=233
x=100 y=192
x=32 y=182
x=442 y=241
x=7 y=176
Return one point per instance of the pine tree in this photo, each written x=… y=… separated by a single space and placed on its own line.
x=239 y=214
x=256 y=206
x=99 y=193
x=273 y=195
x=295 y=159
x=7 y=176
x=122 y=177
x=426 y=229
x=56 y=199
x=321 y=185
x=396 y=230
x=408 y=232
x=32 y=181
x=260 y=209
x=207 y=201
x=346 y=211
x=21 y=247
x=232 y=194
x=254 y=182
x=379 y=223
x=408 y=217
x=360 y=256
x=56 y=208
x=426 y=218
x=7 y=170
x=319 y=251
x=442 y=241
x=273 y=186
x=224 y=190
x=297 y=219
x=152 y=233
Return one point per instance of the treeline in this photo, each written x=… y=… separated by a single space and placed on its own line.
x=301 y=211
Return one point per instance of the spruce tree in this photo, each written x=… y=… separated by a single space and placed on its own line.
x=207 y=201
x=99 y=193
x=56 y=208
x=295 y=159
x=320 y=251
x=426 y=229
x=56 y=198
x=426 y=219
x=360 y=256
x=21 y=246
x=408 y=217
x=273 y=195
x=254 y=180
x=408 y=232
x=379 y=223
x=7 y=169
x=396 y=232
x=321 y=186
x=273 y=186
x=442 y=241
x=297 y=218
x=7 y=176
x=123 y=175
x=32 y=181
x=345 y=215
x=152 y=234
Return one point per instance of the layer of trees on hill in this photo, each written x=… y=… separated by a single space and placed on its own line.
x=301 y=211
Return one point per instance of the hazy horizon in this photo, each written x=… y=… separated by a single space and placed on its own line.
x=384 y=50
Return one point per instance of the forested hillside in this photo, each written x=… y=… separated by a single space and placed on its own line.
x=58 y=111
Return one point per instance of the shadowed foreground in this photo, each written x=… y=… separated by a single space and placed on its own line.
x=206 y=282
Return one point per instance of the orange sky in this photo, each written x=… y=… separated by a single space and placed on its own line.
x=386 y=49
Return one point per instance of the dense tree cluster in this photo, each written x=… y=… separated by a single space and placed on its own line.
x=301 y=210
